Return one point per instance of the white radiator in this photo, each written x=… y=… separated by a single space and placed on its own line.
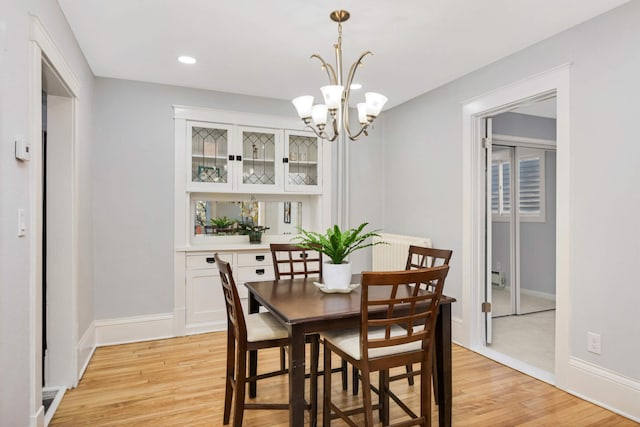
x=393 y=255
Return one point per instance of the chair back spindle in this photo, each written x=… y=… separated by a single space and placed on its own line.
x=410 y=311
x=291 y=261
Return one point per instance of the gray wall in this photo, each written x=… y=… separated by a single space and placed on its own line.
x=134 y=188
x=423 y=189
x=16 y=352
x=524 y=125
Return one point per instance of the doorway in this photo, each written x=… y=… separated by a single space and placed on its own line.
x=54 y=224
x=476 y=273
x=58 y=353
x=521 y=244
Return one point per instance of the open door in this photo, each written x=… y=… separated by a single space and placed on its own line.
x=486 y=305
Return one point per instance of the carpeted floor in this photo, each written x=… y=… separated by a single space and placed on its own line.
x=529 y=338
x=501 y=302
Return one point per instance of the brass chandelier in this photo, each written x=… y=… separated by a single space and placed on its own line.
x=336 y=96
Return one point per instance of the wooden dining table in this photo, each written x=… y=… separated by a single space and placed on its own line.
x=303 y=309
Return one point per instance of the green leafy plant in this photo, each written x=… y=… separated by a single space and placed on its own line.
x=246 y=228
x=223 y=222
x=335 y=243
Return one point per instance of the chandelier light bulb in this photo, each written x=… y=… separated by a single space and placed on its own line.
x=319 y=114
x=303 y=105
x=362 y=113
x=375 y=102
x=332 y=95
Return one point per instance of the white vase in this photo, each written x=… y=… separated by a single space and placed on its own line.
x=336 y=276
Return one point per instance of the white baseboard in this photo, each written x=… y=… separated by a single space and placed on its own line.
x=133 y=329
x=544 y=295
x=203 y=328
x=605 y=388
x=458 y=331
x=86 y=348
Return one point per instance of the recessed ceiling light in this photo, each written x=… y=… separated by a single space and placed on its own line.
x=187 y=59
x=355 y=86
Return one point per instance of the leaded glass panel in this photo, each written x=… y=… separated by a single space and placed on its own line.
x=303 y=160
x=258 y=158
x=209 y=149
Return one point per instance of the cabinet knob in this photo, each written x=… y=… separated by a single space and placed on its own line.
x=232 y=157
x=259 y=257
x=211 y=260
x=304 y=255
x=260 y=271
x=285 y=160
x=239 y=158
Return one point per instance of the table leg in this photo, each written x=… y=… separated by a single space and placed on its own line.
x=254 y=307
x=296 y=376
x=443 y=364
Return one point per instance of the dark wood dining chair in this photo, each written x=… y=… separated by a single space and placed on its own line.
x=397 y=324
x=291 y=261
x=422 y=257
x=246 y=333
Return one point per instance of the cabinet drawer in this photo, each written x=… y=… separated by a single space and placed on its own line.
x=254 y=258
x=254 y=274
x=206 y=260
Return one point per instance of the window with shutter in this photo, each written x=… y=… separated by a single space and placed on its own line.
x=530 y=183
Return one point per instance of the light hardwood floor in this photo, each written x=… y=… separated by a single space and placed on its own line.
x=180 y=382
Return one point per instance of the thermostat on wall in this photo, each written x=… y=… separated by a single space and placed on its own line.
x=23 y=150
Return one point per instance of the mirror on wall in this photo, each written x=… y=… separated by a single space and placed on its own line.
x=221 y=218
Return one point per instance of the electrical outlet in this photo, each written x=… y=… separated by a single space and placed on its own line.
x=594 y=343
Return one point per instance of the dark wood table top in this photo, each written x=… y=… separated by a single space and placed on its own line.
x=300 y=301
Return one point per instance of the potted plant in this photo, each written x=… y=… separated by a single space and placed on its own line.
x=222 y=225
x=337 y=245
x=253 y=231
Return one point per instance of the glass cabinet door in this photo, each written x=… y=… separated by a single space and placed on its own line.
x=303 y=169
x=261 y=159
x=209 y=164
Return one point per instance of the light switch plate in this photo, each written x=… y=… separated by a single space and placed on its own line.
x=22 y=225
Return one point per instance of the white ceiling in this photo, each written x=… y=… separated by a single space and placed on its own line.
x=262 y=48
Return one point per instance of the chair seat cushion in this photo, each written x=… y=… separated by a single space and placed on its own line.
x=264 y=327
x=348 y=340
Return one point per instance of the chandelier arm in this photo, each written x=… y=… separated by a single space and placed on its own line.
x=323 y=134
x=362 y=130
x=328 y=68
x=347 y=92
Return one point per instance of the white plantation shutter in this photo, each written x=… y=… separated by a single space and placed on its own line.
x=495 y=192
x=506 y=187
x=530 y=191
x=530 y=183
x=501 y=184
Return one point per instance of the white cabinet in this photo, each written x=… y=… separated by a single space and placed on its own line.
x=210 y=162
x=253 y=267
x=235 y=158
x=204 y=300
x=259 y=162
x=205 y=309
x=303 y=162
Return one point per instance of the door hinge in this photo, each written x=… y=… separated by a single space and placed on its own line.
x=486 y=307
x=486 y=143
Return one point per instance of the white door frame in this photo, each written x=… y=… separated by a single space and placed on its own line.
x=555 y=81
x=42 y=48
